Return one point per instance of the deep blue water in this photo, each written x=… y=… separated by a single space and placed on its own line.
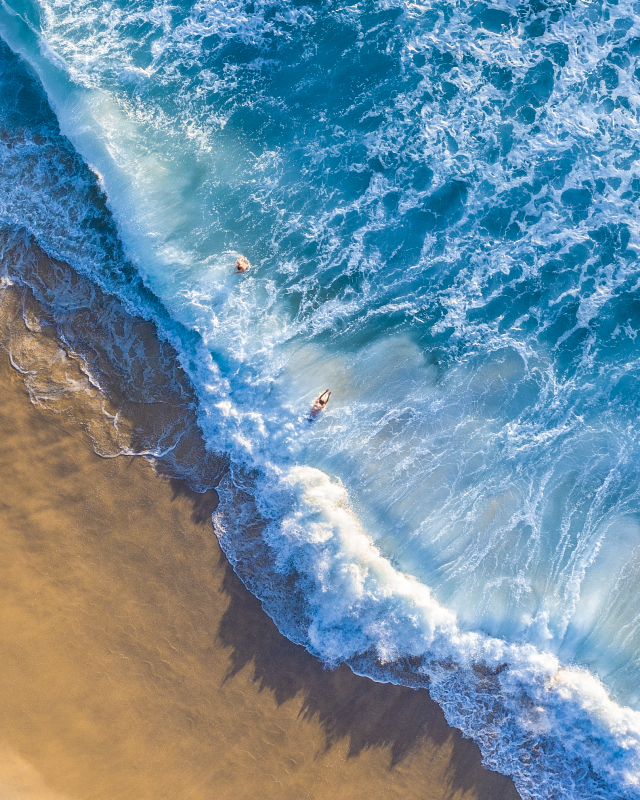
x=440 y=205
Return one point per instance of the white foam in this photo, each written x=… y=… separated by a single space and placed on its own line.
x=359 y=604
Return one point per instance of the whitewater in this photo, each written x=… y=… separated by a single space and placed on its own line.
x=440 y=205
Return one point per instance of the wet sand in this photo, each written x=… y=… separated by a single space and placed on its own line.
x=135 y=665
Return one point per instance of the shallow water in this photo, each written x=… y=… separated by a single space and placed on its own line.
x=439 y=202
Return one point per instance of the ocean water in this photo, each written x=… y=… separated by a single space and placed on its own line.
x=440 y=203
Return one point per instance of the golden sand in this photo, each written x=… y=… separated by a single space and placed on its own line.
x=135 y=665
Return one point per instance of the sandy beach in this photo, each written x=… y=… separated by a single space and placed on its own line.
x=136 y=665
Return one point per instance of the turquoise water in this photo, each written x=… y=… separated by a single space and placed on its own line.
x=439 y=202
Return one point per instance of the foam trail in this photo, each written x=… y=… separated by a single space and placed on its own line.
x=557 y=727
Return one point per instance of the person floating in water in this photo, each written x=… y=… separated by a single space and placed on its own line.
x=242 y=264
x=319 y=404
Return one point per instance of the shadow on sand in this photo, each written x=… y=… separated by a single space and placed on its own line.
x=396 y=719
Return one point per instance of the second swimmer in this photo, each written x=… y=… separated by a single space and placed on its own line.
x=319 y=404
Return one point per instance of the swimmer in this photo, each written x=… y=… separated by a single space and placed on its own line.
x=319 y=404
x=242 y=264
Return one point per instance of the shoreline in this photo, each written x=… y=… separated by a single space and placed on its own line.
x=138 y=666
